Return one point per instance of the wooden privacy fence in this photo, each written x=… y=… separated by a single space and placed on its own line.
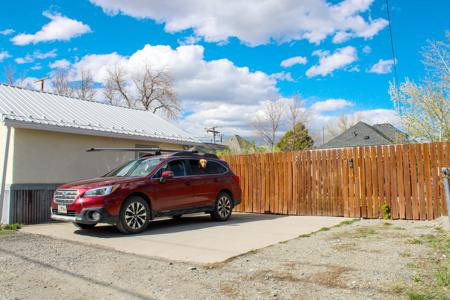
x=350 y=182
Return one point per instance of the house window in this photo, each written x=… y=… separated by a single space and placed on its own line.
x=140 y=154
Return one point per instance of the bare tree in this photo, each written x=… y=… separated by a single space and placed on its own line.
x=10 y=76
x=343 y=123
x=61 y=84
x=84 y=89
x=267 y=125
x=9 y=71
x=297 y=113
x=149 y=89
x=424 y=107
x=116 y=87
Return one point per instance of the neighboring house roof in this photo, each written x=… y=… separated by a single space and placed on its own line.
x=26 y=108
x=362 y=134
x=395 y=135
x=235 y=143
x=210 y=148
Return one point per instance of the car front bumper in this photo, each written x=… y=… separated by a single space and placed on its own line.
x=85 y=216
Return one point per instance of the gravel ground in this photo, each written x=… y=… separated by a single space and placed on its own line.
x=366 y=259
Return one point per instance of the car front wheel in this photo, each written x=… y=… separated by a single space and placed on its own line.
x=134 y=215
x=223 y=207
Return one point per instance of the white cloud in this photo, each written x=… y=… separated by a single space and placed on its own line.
x=39 y=55
x=282 y=76
x=212 y=92
x=255 y=22
x=330 y=62
x=36 y=67
x=296 y=60
x=24 y=60
x=367 y=50
x=382 y=66
x=7 y=31
x=29 y=58
x=60 y=64
x=195 y=79
x=341 y=36
x=4 y=55
x=60 y=28
x=331 y=105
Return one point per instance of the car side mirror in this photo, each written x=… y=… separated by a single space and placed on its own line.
x=166 y=175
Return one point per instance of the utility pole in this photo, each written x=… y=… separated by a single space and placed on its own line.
x=214 y=132
x=42 y=81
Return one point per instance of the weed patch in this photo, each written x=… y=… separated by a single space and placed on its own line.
x=9 y=228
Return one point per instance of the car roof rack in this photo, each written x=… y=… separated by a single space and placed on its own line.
x=158 y=151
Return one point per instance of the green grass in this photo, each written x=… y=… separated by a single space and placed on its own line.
x=347 y=222
x=9 y=228
x=324 y=229
x=433 y=277
x=405 y=254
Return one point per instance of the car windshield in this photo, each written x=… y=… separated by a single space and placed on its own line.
x=135 y=168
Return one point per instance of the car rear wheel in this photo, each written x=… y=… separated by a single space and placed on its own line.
x=84 y=226
x=223 y=207
x=134 y=215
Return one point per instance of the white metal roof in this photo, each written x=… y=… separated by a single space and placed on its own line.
x=26 y=108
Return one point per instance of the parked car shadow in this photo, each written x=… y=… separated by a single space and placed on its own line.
x=169 y=225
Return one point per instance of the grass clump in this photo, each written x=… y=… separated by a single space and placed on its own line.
x=433 y=278
x=405 y=254
x=9 y=228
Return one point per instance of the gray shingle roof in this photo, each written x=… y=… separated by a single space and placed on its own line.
x=362 y=134
x=26 y=108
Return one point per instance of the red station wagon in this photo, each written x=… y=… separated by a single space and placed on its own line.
x=141 y=190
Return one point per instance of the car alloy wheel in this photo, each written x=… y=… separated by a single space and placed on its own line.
x=224 y=206
x=135 y=215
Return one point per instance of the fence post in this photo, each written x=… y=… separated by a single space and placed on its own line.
x=446 y=173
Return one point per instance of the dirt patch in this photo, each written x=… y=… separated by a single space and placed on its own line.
x=330 y=278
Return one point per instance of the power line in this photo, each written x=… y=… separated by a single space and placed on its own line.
x=394 y=65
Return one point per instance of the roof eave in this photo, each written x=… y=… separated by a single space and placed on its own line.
x=91 y=132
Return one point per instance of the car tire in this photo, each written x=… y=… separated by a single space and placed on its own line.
x=222 y=208
x=134 y=215
x=84 y=226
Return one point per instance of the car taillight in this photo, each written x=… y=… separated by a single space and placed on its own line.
x=237 y=179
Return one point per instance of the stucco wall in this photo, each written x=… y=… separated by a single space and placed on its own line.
x=52 y=157
x=11 y=147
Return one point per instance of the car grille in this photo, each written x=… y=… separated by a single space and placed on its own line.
x=65 y=196
x=70 y=213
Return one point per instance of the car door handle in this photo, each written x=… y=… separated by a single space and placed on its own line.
x=216 y=180
x=188 y=183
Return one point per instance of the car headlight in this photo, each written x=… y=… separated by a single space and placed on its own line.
x=101 y=191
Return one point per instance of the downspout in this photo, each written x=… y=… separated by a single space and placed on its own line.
x=4 y=205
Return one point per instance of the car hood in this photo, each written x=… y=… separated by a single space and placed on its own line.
x=97 y=182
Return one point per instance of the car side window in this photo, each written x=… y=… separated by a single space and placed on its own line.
x=176 y=166
x=196 y=169
x=212 y=168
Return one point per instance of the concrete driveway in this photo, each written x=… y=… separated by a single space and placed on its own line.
x=193 y=238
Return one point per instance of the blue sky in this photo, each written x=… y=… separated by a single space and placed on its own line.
x=224 y=38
